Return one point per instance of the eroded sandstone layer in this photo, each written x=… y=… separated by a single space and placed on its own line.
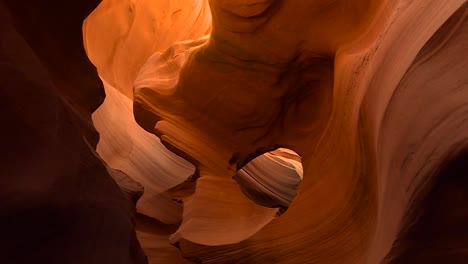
x=361 y=90
x=273 y=131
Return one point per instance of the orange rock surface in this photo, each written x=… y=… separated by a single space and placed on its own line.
x=253 y=131
x=359 y=89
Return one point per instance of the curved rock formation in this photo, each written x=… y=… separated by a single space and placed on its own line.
x=271 y=180
x=127 y=147
x=371 y=95
x=124 y=145
x=335 y=88
x=119 y=36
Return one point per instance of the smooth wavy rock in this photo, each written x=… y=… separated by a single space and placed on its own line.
x=250 y=88
x=127 y=147
x=271 y=180
x=114 y=28
x=370 y=94
x=123 y=144
x=436 y=87
x=119 y=36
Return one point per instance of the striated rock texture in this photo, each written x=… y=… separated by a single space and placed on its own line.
x=370 y=94
x=270 y=131
x=168 y=180
x=58 y=202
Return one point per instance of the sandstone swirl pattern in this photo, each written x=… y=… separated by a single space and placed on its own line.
x=371 y=94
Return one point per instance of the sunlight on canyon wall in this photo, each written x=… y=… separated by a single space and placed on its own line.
x=279 y=131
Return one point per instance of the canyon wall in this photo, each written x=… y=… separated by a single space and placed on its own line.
x=234 y=131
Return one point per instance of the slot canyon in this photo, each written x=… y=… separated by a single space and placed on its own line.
x=234 y=131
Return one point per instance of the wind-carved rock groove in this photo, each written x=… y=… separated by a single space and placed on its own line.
x=320 y=78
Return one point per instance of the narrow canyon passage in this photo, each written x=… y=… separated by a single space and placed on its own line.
x=213 y=131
